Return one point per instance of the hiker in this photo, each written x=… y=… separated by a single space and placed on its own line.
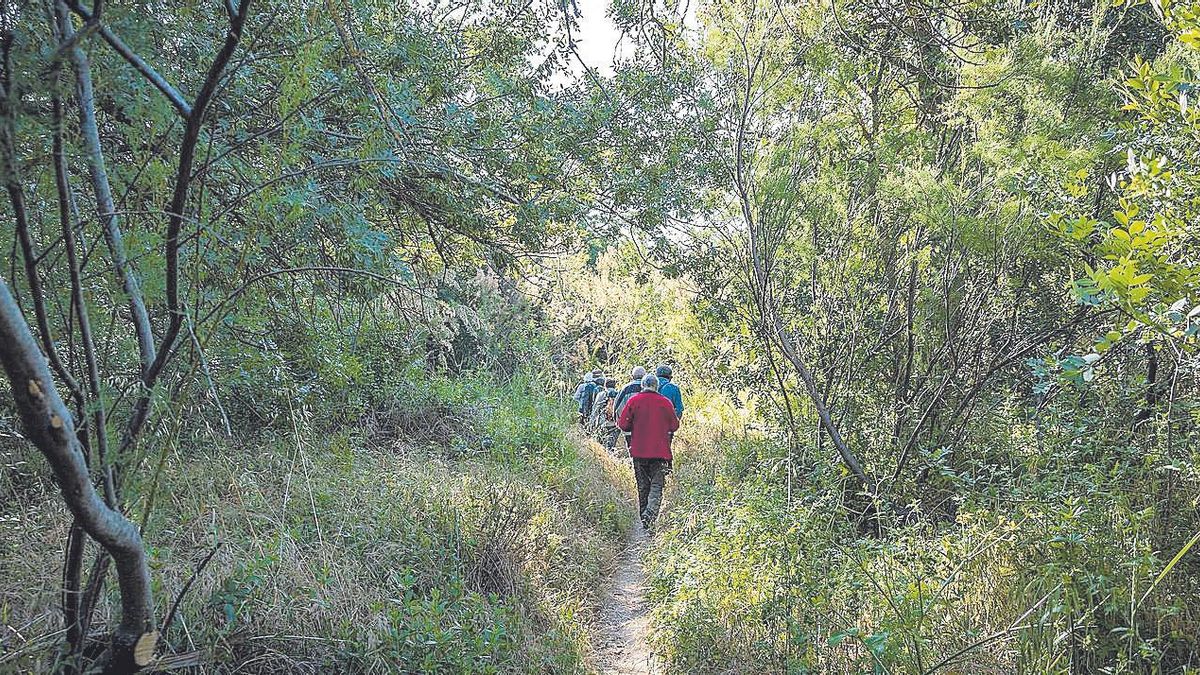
x=650 y=418
x=578 y=395
x=634 y=387
x=590 y=413
x=602 y=410
x=599 y=402
x=609 y=433
x=669 y=389
x=589 y=395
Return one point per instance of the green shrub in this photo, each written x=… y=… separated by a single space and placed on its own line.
x=745 y=581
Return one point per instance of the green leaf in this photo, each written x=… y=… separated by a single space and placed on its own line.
x=840 y=636
x=1171 y=565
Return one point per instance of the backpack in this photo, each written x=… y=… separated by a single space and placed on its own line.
x=589 y=393
x=623 y=403
x=598 y=406
x=610 y=410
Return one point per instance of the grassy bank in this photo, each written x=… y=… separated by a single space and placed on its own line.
x=457 y=529
x=1049 y=564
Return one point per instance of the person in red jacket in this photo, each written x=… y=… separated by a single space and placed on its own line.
x=650 y=417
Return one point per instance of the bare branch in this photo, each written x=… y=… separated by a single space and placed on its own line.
x=93 y=19
x=105 y=207
x=187 y=586
x=66 y=210
x=16 y=194
x=183 y=181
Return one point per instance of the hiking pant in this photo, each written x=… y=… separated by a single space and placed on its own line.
x=651 y=475
x=609 y=438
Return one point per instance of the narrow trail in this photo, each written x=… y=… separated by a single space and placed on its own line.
x=623 y=639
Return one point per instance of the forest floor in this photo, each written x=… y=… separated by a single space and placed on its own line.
x=623 y=640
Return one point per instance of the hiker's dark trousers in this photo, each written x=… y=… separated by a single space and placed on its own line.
x=651 y=475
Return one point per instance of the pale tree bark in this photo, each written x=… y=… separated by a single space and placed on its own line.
x=151 y=356
x=106 y=209
x=47 y=422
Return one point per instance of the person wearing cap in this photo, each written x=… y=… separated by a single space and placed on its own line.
x=628 y=392
x=669 y=389
x=650 y=418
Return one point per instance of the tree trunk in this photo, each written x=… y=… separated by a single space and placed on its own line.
x=818 y=400
x=48 y=424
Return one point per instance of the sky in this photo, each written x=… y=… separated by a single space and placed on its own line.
x=597 y=37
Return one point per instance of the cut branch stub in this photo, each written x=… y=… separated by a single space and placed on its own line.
x=143 y=650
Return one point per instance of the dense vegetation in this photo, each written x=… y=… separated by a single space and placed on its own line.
x=294 y=293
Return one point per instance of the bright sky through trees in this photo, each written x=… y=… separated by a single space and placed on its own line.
x=598 y=38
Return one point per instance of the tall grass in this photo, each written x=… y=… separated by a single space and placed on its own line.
x=456 y=530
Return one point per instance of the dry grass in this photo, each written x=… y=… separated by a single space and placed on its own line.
x=430 y=425
x=329 y=552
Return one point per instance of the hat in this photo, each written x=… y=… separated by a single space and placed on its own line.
x=598 y=373
x=588 y=377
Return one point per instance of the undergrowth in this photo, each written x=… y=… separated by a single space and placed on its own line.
x=455 y=528
x=1048 y=565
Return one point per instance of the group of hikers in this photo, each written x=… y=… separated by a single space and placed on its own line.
x=646 y=413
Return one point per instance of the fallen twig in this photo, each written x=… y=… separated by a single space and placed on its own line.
x=187 y=586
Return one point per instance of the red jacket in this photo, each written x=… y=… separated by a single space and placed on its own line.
x=650 y=416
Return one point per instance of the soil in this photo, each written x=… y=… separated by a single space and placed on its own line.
x=623 y=639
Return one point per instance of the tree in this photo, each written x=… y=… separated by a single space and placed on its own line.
x=246 y=159
x=45 y=416
x=1142 y=260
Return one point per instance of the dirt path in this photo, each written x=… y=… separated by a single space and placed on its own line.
x=623 y=639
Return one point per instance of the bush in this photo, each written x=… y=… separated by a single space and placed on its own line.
x=1059 y=571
